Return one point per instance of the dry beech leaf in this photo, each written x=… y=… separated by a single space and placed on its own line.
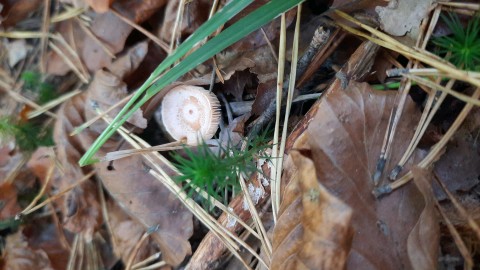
x=151 y=204
x=20 y=256
x=80 y=207
x=127 y=232
x=313 y=229
x=108 y=28
x=127 y=180
x=343 y=134
x=423 y=241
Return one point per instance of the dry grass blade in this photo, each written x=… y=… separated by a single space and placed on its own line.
x=425 y=120
x=135 y=249
x=456 y=238
x=153 y=266
x=89 y=32
x=130 y=152
x=148 y=260
x=275 y=190
x=424 y=72
x=51 y=104
x=418 y=54
x=458 y=206
x=434 y=152
x=44 y=38
x=447 y=90
x=142 y=30
x=58 y=195
x=32 y=204
x=21 y=99
x=69 y=62
x=68 y=14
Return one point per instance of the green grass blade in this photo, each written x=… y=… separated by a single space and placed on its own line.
x=237 y=31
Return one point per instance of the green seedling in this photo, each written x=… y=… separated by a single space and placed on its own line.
x=217 y=173
x=32 y=82
x=28 y=136
x=462 y=47
x=161 y=78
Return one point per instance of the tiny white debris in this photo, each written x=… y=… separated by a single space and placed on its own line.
x=255 y=194
x=231 y=220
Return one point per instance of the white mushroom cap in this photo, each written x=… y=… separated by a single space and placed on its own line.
x=191 y=113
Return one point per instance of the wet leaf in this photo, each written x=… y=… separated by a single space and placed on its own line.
x=313 y=229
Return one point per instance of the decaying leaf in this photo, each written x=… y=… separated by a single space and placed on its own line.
x=313 y=229
x=343 y=133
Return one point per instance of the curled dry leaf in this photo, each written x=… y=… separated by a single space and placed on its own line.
x=423 y=241
x=313 y=229
x=343 y=134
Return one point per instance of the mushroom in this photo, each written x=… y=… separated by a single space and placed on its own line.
x=189 y=113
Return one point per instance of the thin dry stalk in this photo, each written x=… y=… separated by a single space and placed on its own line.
x=178 y=22
x=58 y=195
x=462 y=211
x=153 y=266
x=12 y=174
x=434 y=153
x=53 y=103
x=464 y=5
x=280 y=78
x=68 y=14
x=130 y=152
x=100 y=43
x=148 y=260
x=135 y=249
x=73 y=253
x=21 y=99
x=69 y=62
x=50 y=171
x=105 y=215
x=44 y=38
x=425 y=120
x=456 y=238
x=415 y=53
x=291 y=89
x=100 y=116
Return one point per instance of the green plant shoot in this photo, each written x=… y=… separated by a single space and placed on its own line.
x=240 y=29
x=217 y=173
x=464 y=43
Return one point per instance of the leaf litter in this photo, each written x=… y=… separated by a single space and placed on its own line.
x=328 y=217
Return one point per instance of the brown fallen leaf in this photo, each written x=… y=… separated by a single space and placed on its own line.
x=127 y=180
x=126 y=233
x=313 y=230
x=20 y=256
x=109 y=29
x=423 y=241
x=343 y=133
